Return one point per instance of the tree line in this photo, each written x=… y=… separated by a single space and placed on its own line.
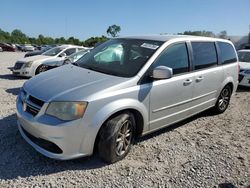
x=18 y=37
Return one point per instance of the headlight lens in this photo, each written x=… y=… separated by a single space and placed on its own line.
x=28 y=64
x=67 y=110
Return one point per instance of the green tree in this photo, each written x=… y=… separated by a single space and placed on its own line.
x=91 y=42
x=113 y=30
x=17 y=36
x=4 y=36
x=223 y=34
x=200 y=33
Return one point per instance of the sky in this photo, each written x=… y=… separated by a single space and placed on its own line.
x=86 y=18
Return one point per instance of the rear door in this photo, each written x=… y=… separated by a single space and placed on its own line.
x=208 y=75
x=170 y=98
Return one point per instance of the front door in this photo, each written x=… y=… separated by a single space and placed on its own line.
x=170 y=98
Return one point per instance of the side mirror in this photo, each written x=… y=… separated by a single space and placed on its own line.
x=162 y=72
x=66 y=61
x=63 y=55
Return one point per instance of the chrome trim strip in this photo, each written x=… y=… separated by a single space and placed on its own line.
x=183 y=102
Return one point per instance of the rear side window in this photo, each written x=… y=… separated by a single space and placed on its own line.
x=204 y=54
x=175 y=57
x=228 y=54
x=70 y=51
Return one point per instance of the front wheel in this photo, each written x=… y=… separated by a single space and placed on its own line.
x=223 y=100
x=116 y=137
x=41 y=68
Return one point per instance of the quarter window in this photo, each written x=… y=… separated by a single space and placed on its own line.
x=204 y=54
x=175 y=57
x=228 y=54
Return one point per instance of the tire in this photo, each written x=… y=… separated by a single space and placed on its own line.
x=116 y=137
x=40 y=69
x=223 y=100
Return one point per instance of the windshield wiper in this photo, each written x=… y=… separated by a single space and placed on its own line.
x=100 y=70
x=75 y=63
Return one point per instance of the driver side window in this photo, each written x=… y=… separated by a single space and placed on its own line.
x=175 y=57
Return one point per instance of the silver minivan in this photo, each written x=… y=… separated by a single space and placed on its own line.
x=125 y=88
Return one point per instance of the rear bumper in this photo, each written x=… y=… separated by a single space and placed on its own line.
x=244 y=80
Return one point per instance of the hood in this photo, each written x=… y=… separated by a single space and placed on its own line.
x=35 y=58
x=244 y=65
x=55 y=61
x=69 y=83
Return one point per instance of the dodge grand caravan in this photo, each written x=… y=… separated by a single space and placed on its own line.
x=124 y=88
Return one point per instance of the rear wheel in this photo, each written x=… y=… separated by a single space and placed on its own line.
x=223 y=100
x=116 y=137
x=41 y=68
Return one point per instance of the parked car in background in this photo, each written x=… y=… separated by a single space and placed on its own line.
x=1 y=49
x=50 y=64
x=31 y=66
x=124 y=88
x=7 y=47
x=37 y=52
x=19 y=47
x=244 y=61
x=28 y=48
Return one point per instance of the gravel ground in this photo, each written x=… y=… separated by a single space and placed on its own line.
x=204 y=151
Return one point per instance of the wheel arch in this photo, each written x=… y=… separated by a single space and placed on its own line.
x=139 y=119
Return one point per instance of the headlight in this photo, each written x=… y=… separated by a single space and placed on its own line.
x=67 y=110
x=28 y=64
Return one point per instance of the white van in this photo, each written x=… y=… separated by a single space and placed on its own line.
x=124 y=88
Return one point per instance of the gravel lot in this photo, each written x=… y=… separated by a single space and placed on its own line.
x=204 y=151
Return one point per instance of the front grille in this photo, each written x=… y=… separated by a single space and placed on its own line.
x=36 y=101
x=18 y=65
x=32 y=110
x=31 y=104
x=240 y=77
x=45 y=144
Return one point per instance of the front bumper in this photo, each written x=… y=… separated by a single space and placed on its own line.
x=26 y=72
x=59 y=139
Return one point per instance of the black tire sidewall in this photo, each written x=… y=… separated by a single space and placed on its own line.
x=108 y=136
x=38 y=69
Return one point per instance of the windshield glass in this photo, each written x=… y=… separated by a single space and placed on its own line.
x=120 y=57
x=53 y=51
x=75 y=56
x=244 y=56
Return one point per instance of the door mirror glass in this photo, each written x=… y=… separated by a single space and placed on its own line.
x=162 y=72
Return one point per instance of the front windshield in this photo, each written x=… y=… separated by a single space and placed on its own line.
x=244 y=56
x=75 y=56
x=120 y=57
x=53 y=51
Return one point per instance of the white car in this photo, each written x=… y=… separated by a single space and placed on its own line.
x=31 y=66
x=28 y=48
x=50 y=64
x=244 y=61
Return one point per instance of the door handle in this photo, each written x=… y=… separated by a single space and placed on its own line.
x=187 y=82
x=200 y=78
